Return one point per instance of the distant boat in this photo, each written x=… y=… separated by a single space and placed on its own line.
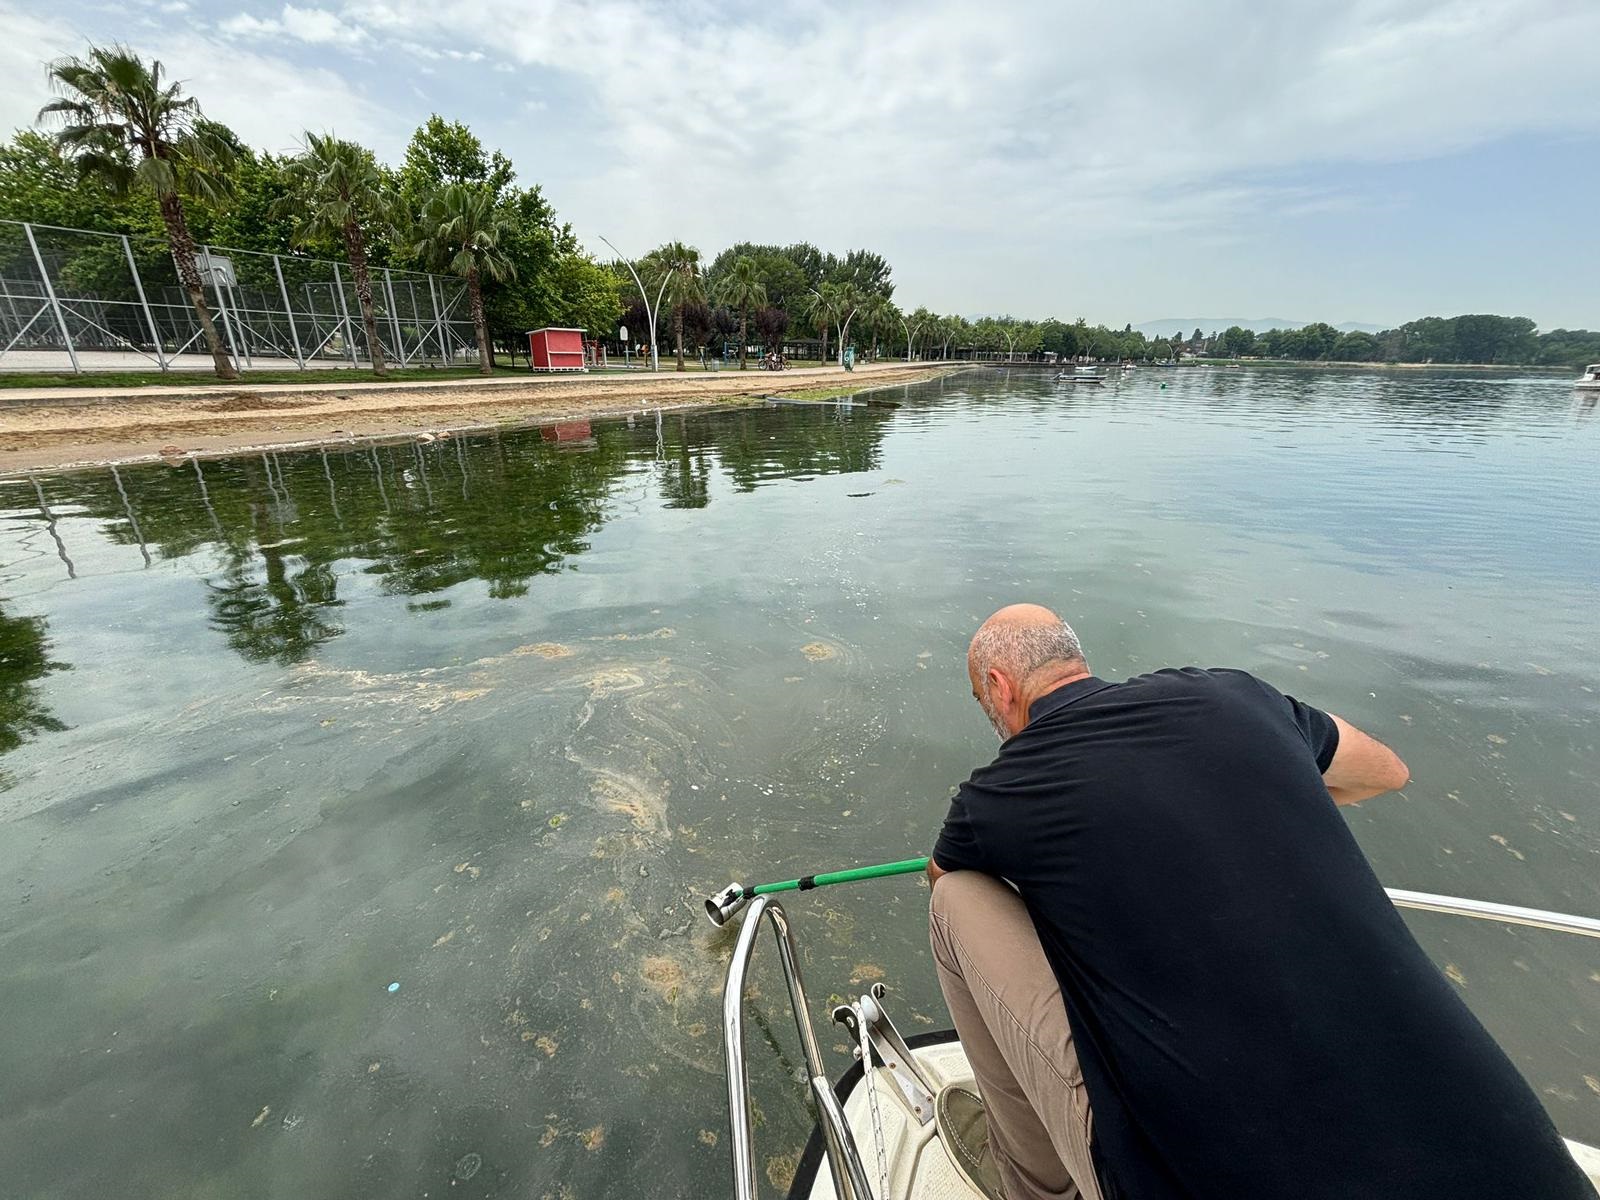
x=1591 y=379
x=1080 y=375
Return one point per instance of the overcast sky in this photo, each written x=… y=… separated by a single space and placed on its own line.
x=1371 y=160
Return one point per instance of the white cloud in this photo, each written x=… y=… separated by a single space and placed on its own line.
x=1013 y=115
x=315 y=26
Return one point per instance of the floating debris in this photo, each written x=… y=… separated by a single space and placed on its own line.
x=819 y=651
x=394 y=987
x=468 y=1165
x=781 y=1169
x=261 y=1117
x=1453 y=973
x=593 y=1139
x=546 y=650
x=707 y=1137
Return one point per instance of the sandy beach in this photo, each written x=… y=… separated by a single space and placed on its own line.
x=65 y=428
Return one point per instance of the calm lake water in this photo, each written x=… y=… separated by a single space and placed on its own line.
x=485 y=718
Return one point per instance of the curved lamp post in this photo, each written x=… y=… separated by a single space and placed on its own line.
x=649 y=312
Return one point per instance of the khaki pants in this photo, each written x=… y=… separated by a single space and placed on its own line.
x=1013 y=1025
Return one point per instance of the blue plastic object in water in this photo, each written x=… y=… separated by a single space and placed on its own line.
x=394 y=987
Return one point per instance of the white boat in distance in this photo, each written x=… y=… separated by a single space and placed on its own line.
x=1590 y=381
x=881 y=1141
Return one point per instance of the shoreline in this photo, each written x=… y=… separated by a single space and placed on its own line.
x=173 y=425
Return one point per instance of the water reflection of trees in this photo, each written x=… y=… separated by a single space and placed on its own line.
x=285 y=528
x=24 y=661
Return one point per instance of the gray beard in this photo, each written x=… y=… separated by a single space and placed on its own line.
x=994 y=721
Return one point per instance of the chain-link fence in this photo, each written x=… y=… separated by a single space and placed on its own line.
x=76 y=300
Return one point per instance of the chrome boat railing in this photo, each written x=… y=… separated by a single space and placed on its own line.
x=844 y=1160
x=1504 y=914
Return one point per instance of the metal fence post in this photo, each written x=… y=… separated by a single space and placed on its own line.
x=149 y=317
x=50 y=294
x=438 y=324
x=394 y=317
x=288 y=311
x=344 y=310
x=222 y=305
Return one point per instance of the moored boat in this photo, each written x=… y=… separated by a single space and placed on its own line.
x=877 y=1136
x=1589 y=381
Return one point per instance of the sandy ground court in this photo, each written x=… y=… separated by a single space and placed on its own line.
x=60 y=428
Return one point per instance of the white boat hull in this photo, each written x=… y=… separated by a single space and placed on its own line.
x=918 y=1167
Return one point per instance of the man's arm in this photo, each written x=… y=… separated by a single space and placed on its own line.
x=1362 y=767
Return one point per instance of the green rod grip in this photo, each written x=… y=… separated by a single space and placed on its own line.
x=905 y=866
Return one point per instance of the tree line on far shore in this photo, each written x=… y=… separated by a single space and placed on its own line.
x=1475 y=338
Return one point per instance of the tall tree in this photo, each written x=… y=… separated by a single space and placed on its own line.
x=678 y=266
x=338 y=191
x=125 y=126
x=822 y=310
x=771 y=324
x=742 y=289
x=460 y=232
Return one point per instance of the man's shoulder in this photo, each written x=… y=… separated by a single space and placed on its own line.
x=1192 y=679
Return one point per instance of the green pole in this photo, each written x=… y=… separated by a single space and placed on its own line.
x=805 y=883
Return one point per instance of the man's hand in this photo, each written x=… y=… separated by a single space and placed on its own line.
x=1362 y=767
x=934 y=871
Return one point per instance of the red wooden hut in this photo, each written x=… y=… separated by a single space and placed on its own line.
x=556 y=349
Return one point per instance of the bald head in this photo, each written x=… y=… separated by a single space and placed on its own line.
x=1017 y=655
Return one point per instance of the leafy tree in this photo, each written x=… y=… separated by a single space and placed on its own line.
x=1355 y=346
x=742 y=288
x=678 y=267
x=772 y=324
x=128 y=129
x=588 y=295
x=1236 y=341
x=337 y=191
x=442 y=152
x=866 y=272
x=461 y=232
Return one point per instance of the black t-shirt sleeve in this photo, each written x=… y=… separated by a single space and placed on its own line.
x=1317 y=727
x=957 y=847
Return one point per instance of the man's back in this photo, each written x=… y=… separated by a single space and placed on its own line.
x=1252 y=1016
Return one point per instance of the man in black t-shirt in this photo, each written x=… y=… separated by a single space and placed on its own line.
x=1194 y=986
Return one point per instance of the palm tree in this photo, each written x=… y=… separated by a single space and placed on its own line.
x=336 y=189
x=125 y=126
x=742 y=288
x=678 y=266
x=823 y=310
x=879 y=316
x=461 y=232
x=849 y=301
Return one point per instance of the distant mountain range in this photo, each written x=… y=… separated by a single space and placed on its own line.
x=1168 y=326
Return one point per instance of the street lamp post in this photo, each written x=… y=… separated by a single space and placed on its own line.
x=649 y=313
x=909 y=333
